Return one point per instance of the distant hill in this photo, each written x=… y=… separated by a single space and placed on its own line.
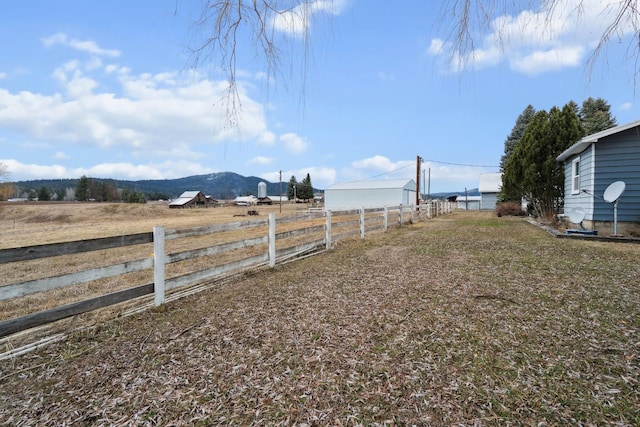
x=470 y=192
x=221 y=185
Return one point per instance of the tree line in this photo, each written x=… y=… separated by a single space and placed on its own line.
x=529 y=167
x=300 y=190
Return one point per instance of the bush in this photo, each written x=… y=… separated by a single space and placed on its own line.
x=510 y=209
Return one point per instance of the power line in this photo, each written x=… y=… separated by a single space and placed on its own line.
x=461 y=164
x=412 y=164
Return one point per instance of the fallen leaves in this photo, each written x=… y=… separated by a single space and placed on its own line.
x=451 y=321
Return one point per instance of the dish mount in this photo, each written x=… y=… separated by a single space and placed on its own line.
x=612 y=195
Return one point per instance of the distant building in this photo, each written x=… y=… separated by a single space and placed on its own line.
x=469 y=203
x=245 y=201
x=192 y=199
x=489 y=187
x=370 y=194
x=278 y=199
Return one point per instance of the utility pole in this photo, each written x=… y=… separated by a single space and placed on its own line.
x=280 y=191
x=418 y=160
x=429 y=186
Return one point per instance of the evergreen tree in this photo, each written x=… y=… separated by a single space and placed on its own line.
x=595 y=116
x=133 y=197
x=291 y=193
x=533 y=169
x=516 y=133
x=306 y=189
x=44 y=195
x=508 y=193
x=82 y=189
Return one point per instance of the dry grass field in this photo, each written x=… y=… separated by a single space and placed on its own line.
x=24 y=224
x=467 y=319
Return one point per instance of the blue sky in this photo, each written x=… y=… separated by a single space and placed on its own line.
x=106 y=89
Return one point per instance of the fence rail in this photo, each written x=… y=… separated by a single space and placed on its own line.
x=321 y=229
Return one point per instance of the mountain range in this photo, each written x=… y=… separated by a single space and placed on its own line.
x=219 y=185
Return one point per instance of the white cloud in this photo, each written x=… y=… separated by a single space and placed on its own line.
x=554 y=59
x=441 y=175
x=59 y=155
x=321 y=177
x=293 y=143
x=267 y=138
x=261 y=160
x=534 y=42
x=297 y=20
x=379 y=164
x=625 y=106
x=86 y=46
x=3 y=76
x=155 y=112
x=436 y=47
x=122 y=170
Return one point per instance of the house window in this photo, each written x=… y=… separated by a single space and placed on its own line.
x=575 y=176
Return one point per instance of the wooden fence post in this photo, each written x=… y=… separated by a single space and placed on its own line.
x=272 y=239
x=401 y=214
x=411 y=211
x=327 y=230
x=385 y=219
x=362 y=223
x=158 y=265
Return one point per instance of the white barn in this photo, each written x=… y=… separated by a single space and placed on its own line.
x=370 y=194
x=489 y=187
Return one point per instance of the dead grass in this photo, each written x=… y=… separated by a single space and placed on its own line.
x=463 y=320
x=31 y=224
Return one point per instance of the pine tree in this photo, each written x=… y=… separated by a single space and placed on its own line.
x=595 y=116
x=508 y=193
x=516 y=133
x=532 y=168
x=82 y=189
x=306 y=189
x=44 y=195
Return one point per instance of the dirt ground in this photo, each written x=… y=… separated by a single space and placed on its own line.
x=462 y=320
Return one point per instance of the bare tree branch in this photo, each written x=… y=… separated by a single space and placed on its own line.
x=4 y=172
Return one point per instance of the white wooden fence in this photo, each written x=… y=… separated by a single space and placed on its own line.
x=336 y=226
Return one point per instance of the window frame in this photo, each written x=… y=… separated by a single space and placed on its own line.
x=575 y=175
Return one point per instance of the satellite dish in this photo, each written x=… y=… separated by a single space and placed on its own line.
x=611 y=195
x=614 y=191
x=576 y=215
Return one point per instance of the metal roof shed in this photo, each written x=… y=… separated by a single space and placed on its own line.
x=369 y=194
x=489 y=187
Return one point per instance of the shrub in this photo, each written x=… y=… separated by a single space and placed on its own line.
x=509 y=209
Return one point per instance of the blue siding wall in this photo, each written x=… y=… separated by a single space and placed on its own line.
x=618 y=159
x=580 y=200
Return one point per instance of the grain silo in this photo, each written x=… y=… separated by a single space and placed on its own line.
x=262 y=190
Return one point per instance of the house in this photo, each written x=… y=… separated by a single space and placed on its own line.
x=370 y=194
x=192 y=199
x=278 y=199
x=469 y=203
x=245 y=200
x=489 y=187
x=594 y=163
